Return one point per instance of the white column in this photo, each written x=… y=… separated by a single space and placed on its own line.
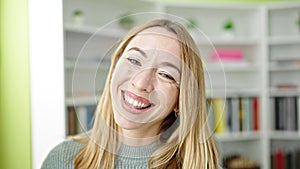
x=46 y=77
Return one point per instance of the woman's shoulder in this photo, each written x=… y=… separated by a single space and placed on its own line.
x=68 y=147
x=63 y=155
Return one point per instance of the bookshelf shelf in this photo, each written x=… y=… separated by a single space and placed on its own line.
x=285 y=135
x=284 y=40
x=96 y=30
x=240 y=41
x=276 y=68
x=233 y=92
x=80 y=28
x=237 y=137
x=232 y=67
x=274 y=92
x=87 y=64
x=82 y=101
x=286 y=57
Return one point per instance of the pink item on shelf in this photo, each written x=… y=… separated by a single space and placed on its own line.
x=231 y=55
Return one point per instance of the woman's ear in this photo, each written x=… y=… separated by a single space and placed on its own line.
x=176 y=109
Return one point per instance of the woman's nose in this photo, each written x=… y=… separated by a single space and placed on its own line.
x=143 y=80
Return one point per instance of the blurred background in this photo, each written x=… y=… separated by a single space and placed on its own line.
x=55 y=55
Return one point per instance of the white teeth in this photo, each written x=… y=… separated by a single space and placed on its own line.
x=130 y=101
x=134 y=102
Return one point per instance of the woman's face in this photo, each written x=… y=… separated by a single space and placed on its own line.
x=145 y=81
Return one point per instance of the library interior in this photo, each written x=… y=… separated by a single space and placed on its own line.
x=251 y=58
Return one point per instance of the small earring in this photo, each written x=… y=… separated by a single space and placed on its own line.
x=176 y=111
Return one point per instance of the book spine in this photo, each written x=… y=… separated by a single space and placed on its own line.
x=241 y=114
x=210 y=114
x=90 y=115
x=277 y=100
x=296 y=112
x=282 y=113
x=279 y=159
x=249 y=109
x=81 y=119
x=235 y=115
x=71 y=121
x=229 y=114
x=286 y=158
x=219 y=117
x=286 y=113
x=255 y=114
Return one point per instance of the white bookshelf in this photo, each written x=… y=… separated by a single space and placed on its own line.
x=283 y=44
x=262 y=32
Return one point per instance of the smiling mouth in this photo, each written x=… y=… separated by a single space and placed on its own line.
x=135 y=102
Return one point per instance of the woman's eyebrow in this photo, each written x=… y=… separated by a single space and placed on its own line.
x=170 y=65
x=138 y=50
x=163 y=63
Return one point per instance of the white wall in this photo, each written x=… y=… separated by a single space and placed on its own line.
x=47 y=81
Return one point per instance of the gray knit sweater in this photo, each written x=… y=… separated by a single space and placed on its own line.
x=62 y=156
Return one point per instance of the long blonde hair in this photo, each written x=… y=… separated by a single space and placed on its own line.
x=190 y=145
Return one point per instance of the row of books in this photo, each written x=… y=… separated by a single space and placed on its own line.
x=286 y=116
x=80 y=119
x=234 y=114
x=285 y=159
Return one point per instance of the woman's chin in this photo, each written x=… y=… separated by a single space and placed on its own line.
x=126 y=123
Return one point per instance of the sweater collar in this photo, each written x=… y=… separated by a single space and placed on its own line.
x=137 y=151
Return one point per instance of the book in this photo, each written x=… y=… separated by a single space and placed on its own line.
x=290 y=114
x=219 y=117
x=285 y=158
x=288 y=160
x=235 y=115
x=71 y=121
x=255 y=106
x=248 y=114
x=229 y=114
x=286 y=116
x=80 y=119
x=210 y=114
x=297 y=158
x=90 y=117
x=279 y=159
x=278 y=113
x=241 y=114
x=229 y=55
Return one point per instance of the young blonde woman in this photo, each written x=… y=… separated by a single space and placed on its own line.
x=152 y=113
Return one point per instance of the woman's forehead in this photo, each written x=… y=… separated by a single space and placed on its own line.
x=159 y=31
x=156 y=38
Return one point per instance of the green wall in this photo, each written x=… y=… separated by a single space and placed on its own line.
x=15 y=136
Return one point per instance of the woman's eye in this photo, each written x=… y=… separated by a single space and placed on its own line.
x=166 y=76
x=134 y=61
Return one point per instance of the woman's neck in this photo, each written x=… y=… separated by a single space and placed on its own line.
x=136 y=138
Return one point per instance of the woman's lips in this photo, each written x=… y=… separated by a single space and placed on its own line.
x=135 y=104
